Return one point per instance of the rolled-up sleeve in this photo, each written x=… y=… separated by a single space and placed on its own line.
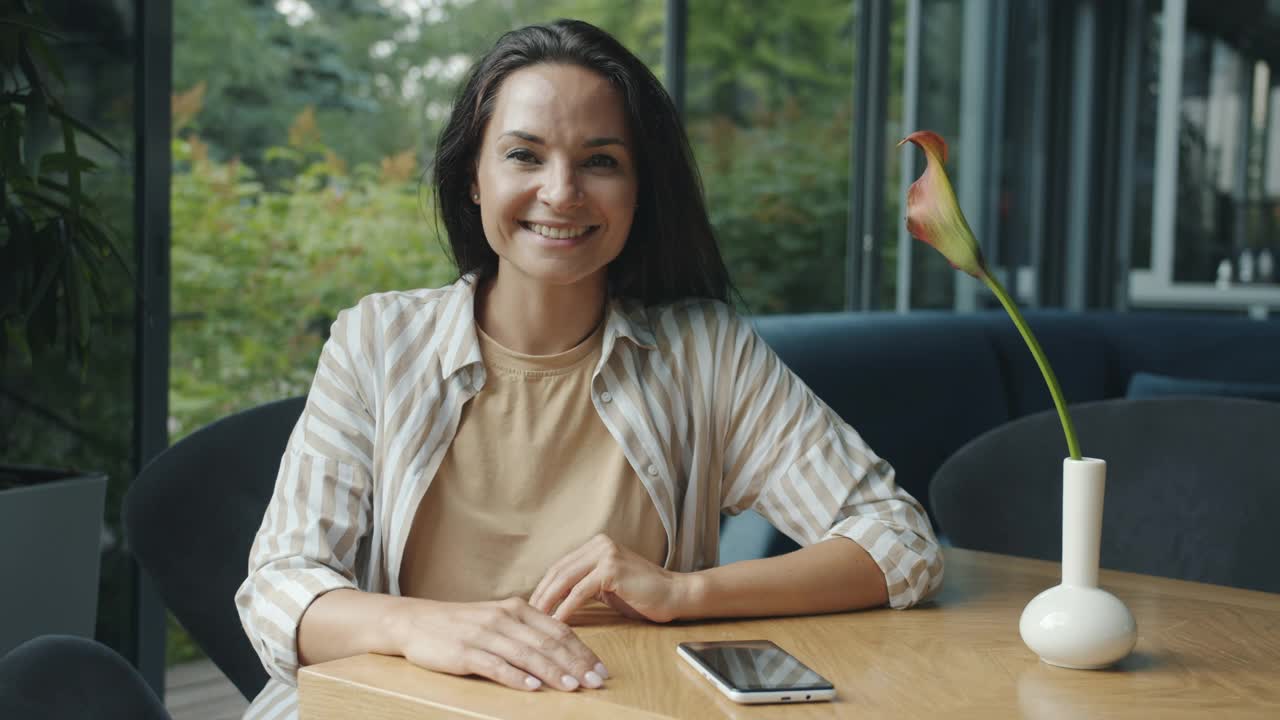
x=792 y=459
x=319 y=512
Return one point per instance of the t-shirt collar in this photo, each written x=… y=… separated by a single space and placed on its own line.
x=461 y=348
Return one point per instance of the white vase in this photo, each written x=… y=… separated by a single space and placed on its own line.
x=1077 y=624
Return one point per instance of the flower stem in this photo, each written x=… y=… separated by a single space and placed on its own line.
x=1073 y=446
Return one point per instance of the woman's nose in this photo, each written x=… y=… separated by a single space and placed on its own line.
x=560 y=188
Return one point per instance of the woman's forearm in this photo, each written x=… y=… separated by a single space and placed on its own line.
x=346 y=622
x=830 y=576
x=507 y=641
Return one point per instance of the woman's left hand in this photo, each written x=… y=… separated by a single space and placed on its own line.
x=614 y=575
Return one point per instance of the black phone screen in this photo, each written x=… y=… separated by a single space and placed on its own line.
x=756 y=665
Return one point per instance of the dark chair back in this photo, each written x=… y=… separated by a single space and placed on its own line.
x=1193 y=487
x=191 y=516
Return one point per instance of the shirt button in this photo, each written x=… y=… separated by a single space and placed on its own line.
x=606 y=396
x=653 y=469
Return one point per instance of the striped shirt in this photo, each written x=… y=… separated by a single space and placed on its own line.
x=706 y=414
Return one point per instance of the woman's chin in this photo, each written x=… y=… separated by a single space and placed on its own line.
x=551 y=272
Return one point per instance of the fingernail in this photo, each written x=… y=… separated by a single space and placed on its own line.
x=592 y=680
x=601 y=671
x=570 y=682
x=532 y=682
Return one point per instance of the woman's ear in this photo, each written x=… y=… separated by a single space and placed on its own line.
x=475 y=192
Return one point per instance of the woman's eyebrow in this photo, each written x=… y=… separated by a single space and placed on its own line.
x=592 y=143
x=530 y=137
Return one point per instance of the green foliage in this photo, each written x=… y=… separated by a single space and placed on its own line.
x=747 y=55
x=260 y=72
x=179 y=646
x=380 y=79
x=769 y=119
x=778 y=195
x=259 y=274
x=55 y=241
x=68 y=293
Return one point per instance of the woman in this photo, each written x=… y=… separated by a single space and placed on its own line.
x=567 y=421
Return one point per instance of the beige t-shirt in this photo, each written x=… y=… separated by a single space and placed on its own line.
x=531 y=475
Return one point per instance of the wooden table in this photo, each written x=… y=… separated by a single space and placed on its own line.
x=1203 y=651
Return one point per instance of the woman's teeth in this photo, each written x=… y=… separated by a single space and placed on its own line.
x=557 y=233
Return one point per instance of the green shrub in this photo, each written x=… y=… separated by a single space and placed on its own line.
x=259 y=274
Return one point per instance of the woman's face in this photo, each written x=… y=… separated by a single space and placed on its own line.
x=556 y=176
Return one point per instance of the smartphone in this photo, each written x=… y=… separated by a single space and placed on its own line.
x=756 y=671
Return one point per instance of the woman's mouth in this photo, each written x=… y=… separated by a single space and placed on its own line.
x=560 y=234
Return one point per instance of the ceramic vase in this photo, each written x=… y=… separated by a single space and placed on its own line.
x=1077 y=624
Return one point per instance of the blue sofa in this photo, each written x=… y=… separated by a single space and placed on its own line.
x=918 y=386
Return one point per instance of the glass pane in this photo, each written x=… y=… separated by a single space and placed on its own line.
x=768 y=113
x=55 y=411
x=1226 y=217
x=894 y=215
x=1210 y=173
x=1262 y=176
x=941 y=52
x=1020 y=206
x=1144 y=158
x=302 y=134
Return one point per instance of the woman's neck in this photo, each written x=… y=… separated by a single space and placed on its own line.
x=539 y=319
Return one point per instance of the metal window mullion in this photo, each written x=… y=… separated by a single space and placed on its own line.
x=993 y=243
x=1080 y=177
x=1164 y=194
x=908 y=154
x=1039 y=164
x=153 y=87
x=1240 y=189
x=853 y=244
x=866 y=180
x=972 y=187
x=1131 y=65
x=676 y=32
x=1270 y=180
x=874 y=177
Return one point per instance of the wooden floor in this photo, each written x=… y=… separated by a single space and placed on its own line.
x=199 y=691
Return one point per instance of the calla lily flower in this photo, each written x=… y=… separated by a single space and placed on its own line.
x=934 y=216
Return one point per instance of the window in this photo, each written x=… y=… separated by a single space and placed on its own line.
x=769 y=117
x=55 y=412
x=1214 y=238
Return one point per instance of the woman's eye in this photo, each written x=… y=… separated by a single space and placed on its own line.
x=602 y=161
x=521 y=155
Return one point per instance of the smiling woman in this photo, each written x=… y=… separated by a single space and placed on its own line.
x=565 y=422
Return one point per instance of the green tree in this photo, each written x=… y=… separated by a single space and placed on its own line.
x=769 y=117
x=380 y=78
x=259 y=70
x=260 y=273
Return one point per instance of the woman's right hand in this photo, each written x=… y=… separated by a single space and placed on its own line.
x=507 y=641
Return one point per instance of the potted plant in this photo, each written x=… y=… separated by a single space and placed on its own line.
x=55 y=249
x=1074 y=624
